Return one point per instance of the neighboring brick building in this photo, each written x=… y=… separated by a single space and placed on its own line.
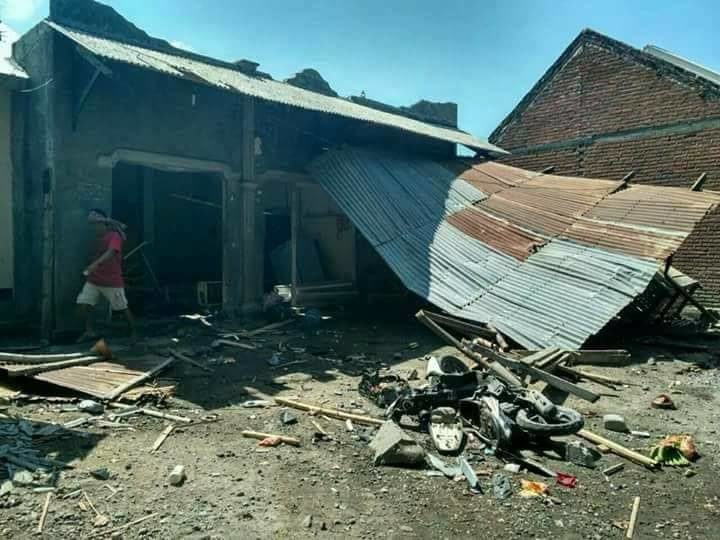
x=604 y=109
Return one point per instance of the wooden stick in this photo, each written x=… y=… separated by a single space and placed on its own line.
x=589 y=376
x=319 y=428
x=51 y=366
x=137 y=380
x=329 y=412
x=122 y=527
x=615 y=468
x=43 y=516
x=92 y=506
x=16 y=358
x=185 y=358
x=497 y=368
x=698 y=184
x=463 y=326
x=161 y=438
x=633 y=518
x=618 y=449
x=258 y=435
x=150 y=412
x=230 y=343
x=554 y=380
x=267 y=328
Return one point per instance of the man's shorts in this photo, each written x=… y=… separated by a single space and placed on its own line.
x=115 y=295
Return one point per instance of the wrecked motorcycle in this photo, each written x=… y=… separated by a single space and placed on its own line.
x=503 y=415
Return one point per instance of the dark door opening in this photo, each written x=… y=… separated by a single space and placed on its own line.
x=174 y=224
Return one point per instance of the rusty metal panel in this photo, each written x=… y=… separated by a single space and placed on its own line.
x=501 y=235
x=674 y=209
x=475 y=266
x=212 y=72
x=626 y=239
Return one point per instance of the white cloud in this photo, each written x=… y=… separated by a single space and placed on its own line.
x=18 y=10
x=181 y=45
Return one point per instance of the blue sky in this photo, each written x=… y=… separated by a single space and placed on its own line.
x=484 y=55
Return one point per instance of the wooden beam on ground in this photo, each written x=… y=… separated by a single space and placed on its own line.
x=7 y=357
x=187 y=359
x=601 y=379
x=257 y=435
x=268 y=328
x=161 y=438
x=552 y=380
x=495 y=366
x=698 y=184
x=51 y=366
x=151 y=412
x=458 y=324
x=618 y=449
x=590 y=357
x=113 y=394
x=332 y=413
x=633 y=518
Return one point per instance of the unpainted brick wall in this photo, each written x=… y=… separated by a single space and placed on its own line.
x=600 y=92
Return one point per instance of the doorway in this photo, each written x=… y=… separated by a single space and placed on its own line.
x=173 y=253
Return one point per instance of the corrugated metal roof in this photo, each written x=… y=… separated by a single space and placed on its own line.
x=665 y=208
x=226 y=78
x=688 y=65
x=551 y=291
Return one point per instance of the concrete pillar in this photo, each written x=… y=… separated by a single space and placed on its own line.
x=253 y=240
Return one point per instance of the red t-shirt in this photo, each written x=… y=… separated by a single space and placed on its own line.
x=108 y=273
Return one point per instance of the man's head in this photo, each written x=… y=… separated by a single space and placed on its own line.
x=98 y=221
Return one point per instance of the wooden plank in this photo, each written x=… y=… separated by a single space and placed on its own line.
x=185 y=358
x=590 y=357
x=463 y=326
x=618 y=449
x=161 y=438
x=52 y=366
x=151 y=412
x=360 y=419
x=633 y=518
x=698 y=184
x=37 y=358
x=43 y=516
x=269 y=327
x=601 y=379
x=258 y=435
x=552 y=380
x=496 y=367
x=137 y=380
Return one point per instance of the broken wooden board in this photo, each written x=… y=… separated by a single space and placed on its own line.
x=18 y=370
x=589 y=357
x=103 y=378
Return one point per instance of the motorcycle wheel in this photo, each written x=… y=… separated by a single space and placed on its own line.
x=565 y=422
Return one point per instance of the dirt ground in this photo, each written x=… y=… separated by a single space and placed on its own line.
x=235 y=489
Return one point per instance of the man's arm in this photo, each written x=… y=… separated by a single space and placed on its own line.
x=101 y=259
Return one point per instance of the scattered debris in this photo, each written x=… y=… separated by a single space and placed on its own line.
x=613 y=469
x=307 y=521
x=451 y=471
x=615 y=422
x=90 y=406
x=578 y=453
x=360 y=419
x=43 y=515
x=100 y=474
x=287 y=418
x=512 y=467
x=469 y=474
x=633 y=518
x=393 y=446
x=675 y=450
x=502 y=486
x=188 y=360
x=533 y=489
x=161 y=438
x=618 y=449
x=663 y=401
x=177 y=475
x=255 y=404
x=261 y=436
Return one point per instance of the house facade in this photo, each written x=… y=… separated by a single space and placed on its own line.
x=605 y=109
x=204 y=160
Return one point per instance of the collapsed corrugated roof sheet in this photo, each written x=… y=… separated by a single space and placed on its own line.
x=540 y=257
x=226 y=78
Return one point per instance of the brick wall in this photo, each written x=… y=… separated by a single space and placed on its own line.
x=601 y=91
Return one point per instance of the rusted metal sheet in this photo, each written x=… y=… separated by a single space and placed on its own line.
x=626 y=239
x=674 y=209
x=538 y=291
x=216 y=73
x=101 y=378
x=498 y=234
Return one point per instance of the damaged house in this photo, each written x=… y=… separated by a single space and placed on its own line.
x=605 y=108
x=231 y=182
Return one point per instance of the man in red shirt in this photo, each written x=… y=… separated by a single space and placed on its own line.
x=103 y=276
